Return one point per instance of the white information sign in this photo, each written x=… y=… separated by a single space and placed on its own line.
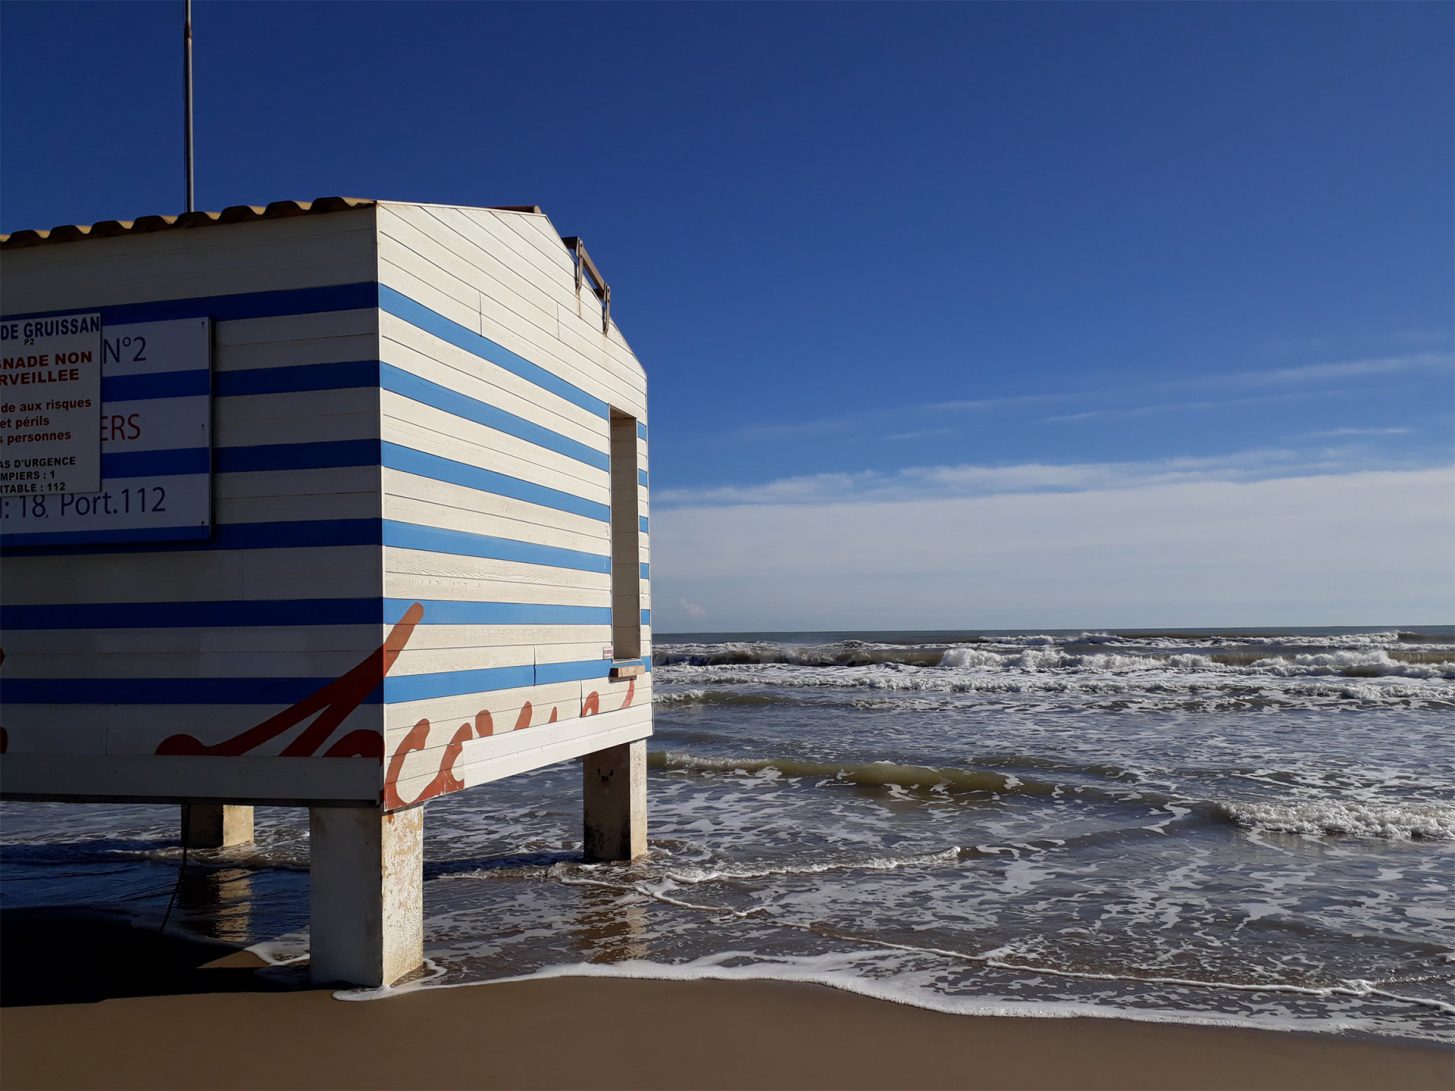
x=50 y=405
x=154 y=436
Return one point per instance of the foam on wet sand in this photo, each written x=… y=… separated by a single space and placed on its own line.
x=91 y=1001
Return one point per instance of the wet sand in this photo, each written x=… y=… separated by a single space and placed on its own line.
x=91 y=1002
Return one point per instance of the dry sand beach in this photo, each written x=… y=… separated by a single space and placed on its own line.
x=93 y=1002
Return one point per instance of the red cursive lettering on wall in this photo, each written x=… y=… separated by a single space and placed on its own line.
x=333 y=704
x=413 y=740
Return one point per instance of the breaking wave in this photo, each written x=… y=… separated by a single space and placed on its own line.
x=846 y=653
x=1038 y=658
x=1409 y=821
x=1196 y=671
x=1431 y=821
x=867 y=774
x=914 y=780
x=1349 y=664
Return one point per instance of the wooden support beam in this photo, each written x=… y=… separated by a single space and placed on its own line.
x=614 y=802
x=216 y=825
x=366 y=900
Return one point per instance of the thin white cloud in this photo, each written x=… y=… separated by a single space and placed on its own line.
x=1342 y=432
x=923 y=433
x=818 y=426
x=921 y=482
x=1200 y=405
x=1352 y=548
x=1335 y=376
x=974 y=404
x=1346 y=369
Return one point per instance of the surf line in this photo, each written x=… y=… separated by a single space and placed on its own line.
x=990 y=958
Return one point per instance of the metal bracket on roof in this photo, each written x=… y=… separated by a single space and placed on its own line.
x=585 y=267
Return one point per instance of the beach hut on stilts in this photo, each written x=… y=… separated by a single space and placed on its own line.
x=337 y=504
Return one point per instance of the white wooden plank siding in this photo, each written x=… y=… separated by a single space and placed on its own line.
x=300 y=639
x=451 y=506
x=138 y=729
x=411 y=275
x=495 y=447
x=485 y=760
x=205 y=576
x=570 y=351
x=504 y=707
x=466 y=274
x=285 y=340
x=429 y=574
x=505 y=712
x=424 y=453
x=266 y=256
x=481 y=379
x=82 y=627
x=153 y=778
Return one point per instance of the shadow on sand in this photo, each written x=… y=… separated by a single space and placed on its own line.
x=69 y=955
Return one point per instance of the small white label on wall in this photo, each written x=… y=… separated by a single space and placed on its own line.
x=50 y=405
x=151 y=438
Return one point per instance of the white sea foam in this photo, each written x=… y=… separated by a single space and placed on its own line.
x=1207 y=686
x=1242 y=672
x=694 y=875
x=1356 y=663
x=1105 y=663
x=971 y=659
x=282 y=950
x=846 y=971
x=677 y=697
x=1431 y=821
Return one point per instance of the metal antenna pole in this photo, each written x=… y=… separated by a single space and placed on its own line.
x=187 y=92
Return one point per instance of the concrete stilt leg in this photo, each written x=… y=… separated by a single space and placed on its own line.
x=614 y=783
x=366 y=903
x=215 y=825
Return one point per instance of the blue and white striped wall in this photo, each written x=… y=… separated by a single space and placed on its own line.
x=410 y=407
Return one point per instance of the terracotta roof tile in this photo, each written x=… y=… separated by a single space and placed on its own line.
x=233 y=214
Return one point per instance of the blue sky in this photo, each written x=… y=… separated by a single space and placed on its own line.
x=954 y=315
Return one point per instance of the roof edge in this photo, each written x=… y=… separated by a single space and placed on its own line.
x=276 y=210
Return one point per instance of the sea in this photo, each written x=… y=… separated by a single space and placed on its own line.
x=1244 y=827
